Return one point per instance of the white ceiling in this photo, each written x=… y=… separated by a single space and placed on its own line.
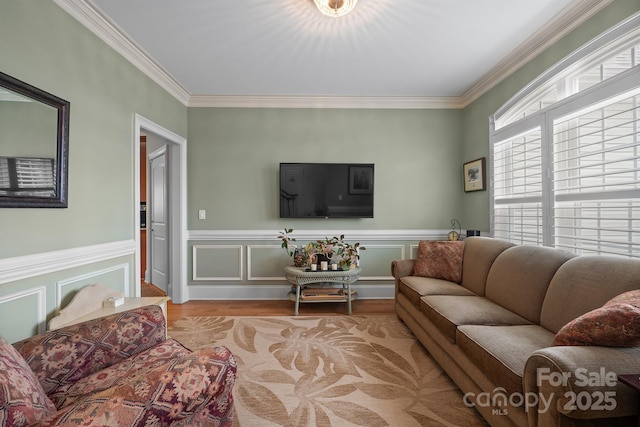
x=449 y=51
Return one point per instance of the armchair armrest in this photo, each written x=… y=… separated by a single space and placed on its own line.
x=580 y=382
x=65 y=355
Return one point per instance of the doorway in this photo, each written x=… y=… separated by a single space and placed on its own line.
x=158 y=219
x=175 y=213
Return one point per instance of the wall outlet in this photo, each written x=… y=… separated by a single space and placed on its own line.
x=202 y=214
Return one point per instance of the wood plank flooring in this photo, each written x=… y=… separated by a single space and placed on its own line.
x=267 y=307
x=275 y=308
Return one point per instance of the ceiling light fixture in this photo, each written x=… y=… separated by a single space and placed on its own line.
x=335 y=8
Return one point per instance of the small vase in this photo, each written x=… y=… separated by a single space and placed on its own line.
x=299 y=257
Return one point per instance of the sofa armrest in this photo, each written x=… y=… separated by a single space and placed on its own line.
x=401 y=268
x=191 y=390
x=65 y=355
x=580 y=382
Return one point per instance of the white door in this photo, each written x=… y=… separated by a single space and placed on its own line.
x=157 y=217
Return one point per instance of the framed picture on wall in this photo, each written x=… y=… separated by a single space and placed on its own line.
x=360 y=179
x=474 y=175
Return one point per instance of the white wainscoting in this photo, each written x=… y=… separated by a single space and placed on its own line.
x=399 y=251
x=265 y=261
x=33 y=286
x=24 y=267
x=276 y=250
x=413 y=251
x=22 y=325
x=83 y=278
x=306 y=235
x=201 y=251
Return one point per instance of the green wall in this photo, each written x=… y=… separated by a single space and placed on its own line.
x=475 y=136
x=234 y=155
x=44 y=46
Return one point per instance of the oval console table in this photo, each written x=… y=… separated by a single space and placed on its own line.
x=300 y=277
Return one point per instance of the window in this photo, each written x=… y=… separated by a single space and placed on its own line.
x=565 y=152
x=27 y=176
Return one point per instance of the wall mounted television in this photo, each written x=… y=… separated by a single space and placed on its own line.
x=326 y=190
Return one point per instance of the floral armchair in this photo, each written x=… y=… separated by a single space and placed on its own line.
x=115 y=371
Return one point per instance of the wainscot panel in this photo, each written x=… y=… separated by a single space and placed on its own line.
x=266 y=262
x=376 y=259
x=217 y=261
x=23 y=314
x=118 y=275
x=35 y=288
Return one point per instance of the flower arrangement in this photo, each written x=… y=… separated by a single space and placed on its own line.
x=346 y=254
x=287 y=241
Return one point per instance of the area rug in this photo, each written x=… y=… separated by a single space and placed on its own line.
x=330 y=371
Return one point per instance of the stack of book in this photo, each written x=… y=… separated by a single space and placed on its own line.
x=324 y=293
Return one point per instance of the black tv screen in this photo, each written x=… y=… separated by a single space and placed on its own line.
x=326 y=190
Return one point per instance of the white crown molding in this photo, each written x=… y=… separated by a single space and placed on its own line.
x=567 y=20
x=24 y=267
x=304 y=235
x=88 y=15
x=362 y=102
x=572 y=16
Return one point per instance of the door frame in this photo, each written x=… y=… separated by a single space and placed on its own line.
x=177 y=207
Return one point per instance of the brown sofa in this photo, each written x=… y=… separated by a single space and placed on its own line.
x=493 y=333
x=119 y=370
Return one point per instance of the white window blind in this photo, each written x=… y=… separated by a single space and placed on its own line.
x=573 y=182
x=5 y=181
x=517 y=188
x=596 y=180
x=27 y=176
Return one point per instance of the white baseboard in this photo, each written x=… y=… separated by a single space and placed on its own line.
x=276 y=292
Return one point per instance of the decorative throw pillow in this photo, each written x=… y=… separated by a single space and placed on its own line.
x=615 y=324
x=630 y=297
x=439 y=260
x=22 y=399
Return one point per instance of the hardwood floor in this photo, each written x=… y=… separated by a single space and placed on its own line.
x=275 y=308
x=267 y=307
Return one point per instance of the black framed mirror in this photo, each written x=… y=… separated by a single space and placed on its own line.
x=34 y=146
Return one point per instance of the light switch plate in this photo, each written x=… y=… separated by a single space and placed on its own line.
x=202 y=214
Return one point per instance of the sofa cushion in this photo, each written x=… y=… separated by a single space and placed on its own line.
x=479 y=254
x=414 y=288
x=598 y=276
x=142 y=362
x=439 y=260
x=501 y=352
x=191 y=390
x=22 y=400
x=519 y=278
x=615 y=324
x=448 y=312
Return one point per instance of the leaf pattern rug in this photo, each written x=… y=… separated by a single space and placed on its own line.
x=330 y=371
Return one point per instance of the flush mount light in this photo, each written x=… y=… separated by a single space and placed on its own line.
x=335 y=8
